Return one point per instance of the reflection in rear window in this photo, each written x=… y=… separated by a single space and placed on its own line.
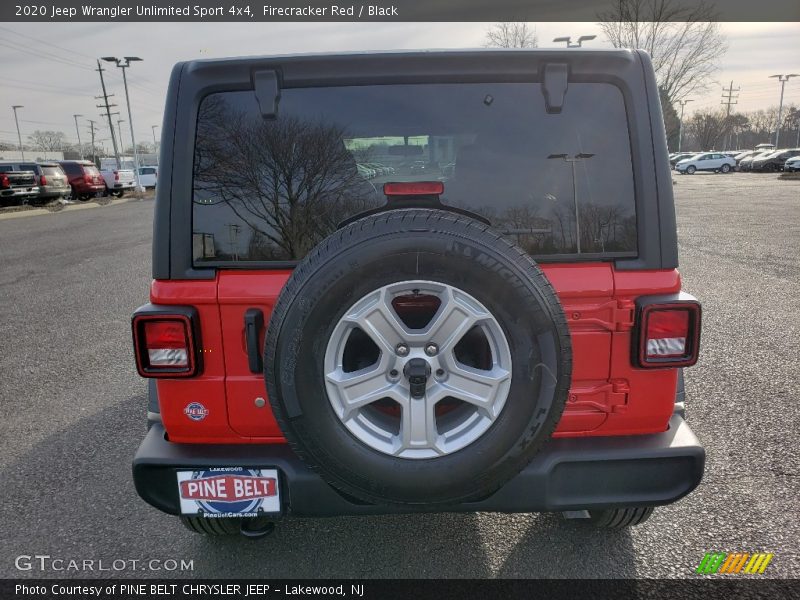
x=270 y=190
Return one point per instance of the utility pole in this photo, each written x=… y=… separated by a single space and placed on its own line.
x=78 y=131
x=729 y=99
x=92 y=128
x=108 y=106
x=680 y=126
x=123 y=64
x=783 y=79
x=19 y=137
x=155 y=143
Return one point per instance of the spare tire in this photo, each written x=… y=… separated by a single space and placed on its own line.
x=416 y=357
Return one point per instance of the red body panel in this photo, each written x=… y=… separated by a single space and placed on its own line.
x=608 y=395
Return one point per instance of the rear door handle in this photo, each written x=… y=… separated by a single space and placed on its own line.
x=253 y=324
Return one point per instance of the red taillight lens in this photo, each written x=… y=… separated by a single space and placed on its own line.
x=164 y=346
x=4 y=181
x=116 y=175
x=88 y=178
x=669 y=335
x=414 y=188
x=42 y=180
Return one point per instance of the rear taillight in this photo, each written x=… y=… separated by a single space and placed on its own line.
x=88 y=178
x=4 y=181
x=42 y=180
x=164 y=345
x=669 y=334
x=116 y=175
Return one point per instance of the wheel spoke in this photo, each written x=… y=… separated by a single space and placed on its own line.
x=418 y=425
x=359 y=389
x=455 y=317
x=376 y=317
x=475 y=386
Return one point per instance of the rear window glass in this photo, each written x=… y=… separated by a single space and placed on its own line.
x=52 y=170
x=91 y=170
x=271 y=189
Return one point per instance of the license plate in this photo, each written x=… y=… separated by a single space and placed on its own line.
x=229 y=492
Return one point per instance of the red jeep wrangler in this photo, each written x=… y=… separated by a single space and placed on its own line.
x=335 y=331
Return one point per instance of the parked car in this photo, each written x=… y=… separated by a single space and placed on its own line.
x=17 y=186
x=148 y=176
x=706 y=161
x=394 y=353
x=774 y=162
x=746 y=163
x=792 y=164
x=48 y=177
x=678 y=156
x=118 y=181
x=365 y=171
x=84 y=179
x=746 y=154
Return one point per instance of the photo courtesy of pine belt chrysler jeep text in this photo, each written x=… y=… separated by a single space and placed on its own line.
x=415 y=281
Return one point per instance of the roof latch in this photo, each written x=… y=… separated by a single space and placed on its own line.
x=554 y=86
x=268 y=92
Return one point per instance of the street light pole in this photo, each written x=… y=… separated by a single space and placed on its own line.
x=680 y=123
x=123 y=64
x=578 y=44
x=19 y=137
x=783 y=79
x=577 y=158
x=78 y=131
x=119 y=129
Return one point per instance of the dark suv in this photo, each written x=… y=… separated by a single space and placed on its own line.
x=507 y=334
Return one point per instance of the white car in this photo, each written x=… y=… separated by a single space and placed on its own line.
x=706 y=161
x=148 y=176
x=118 y=181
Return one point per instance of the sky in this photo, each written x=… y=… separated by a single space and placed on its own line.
x=49 y=68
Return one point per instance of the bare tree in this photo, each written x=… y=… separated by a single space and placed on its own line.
x=708 y=128
x=682 y=38
x=511 y=35
x=47 y=141
x=290 y=180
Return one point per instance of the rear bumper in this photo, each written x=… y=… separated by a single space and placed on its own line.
x=53 y=192
x=19 y=192
x=568 y=474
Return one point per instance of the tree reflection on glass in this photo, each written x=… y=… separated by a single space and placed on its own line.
x=291 y=181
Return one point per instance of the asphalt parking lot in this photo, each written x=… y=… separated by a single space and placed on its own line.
x=74 y=413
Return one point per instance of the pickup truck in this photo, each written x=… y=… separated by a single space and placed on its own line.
x=17 y=185
x=118 y=181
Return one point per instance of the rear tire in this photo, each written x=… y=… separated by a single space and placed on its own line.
x=432 y=249
x=620 y=518
x=691 y=169
x=726 y=169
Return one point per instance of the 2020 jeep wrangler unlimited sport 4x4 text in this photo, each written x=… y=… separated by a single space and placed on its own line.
x=501 y=330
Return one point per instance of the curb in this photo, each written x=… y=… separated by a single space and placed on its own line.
x=69 y=207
